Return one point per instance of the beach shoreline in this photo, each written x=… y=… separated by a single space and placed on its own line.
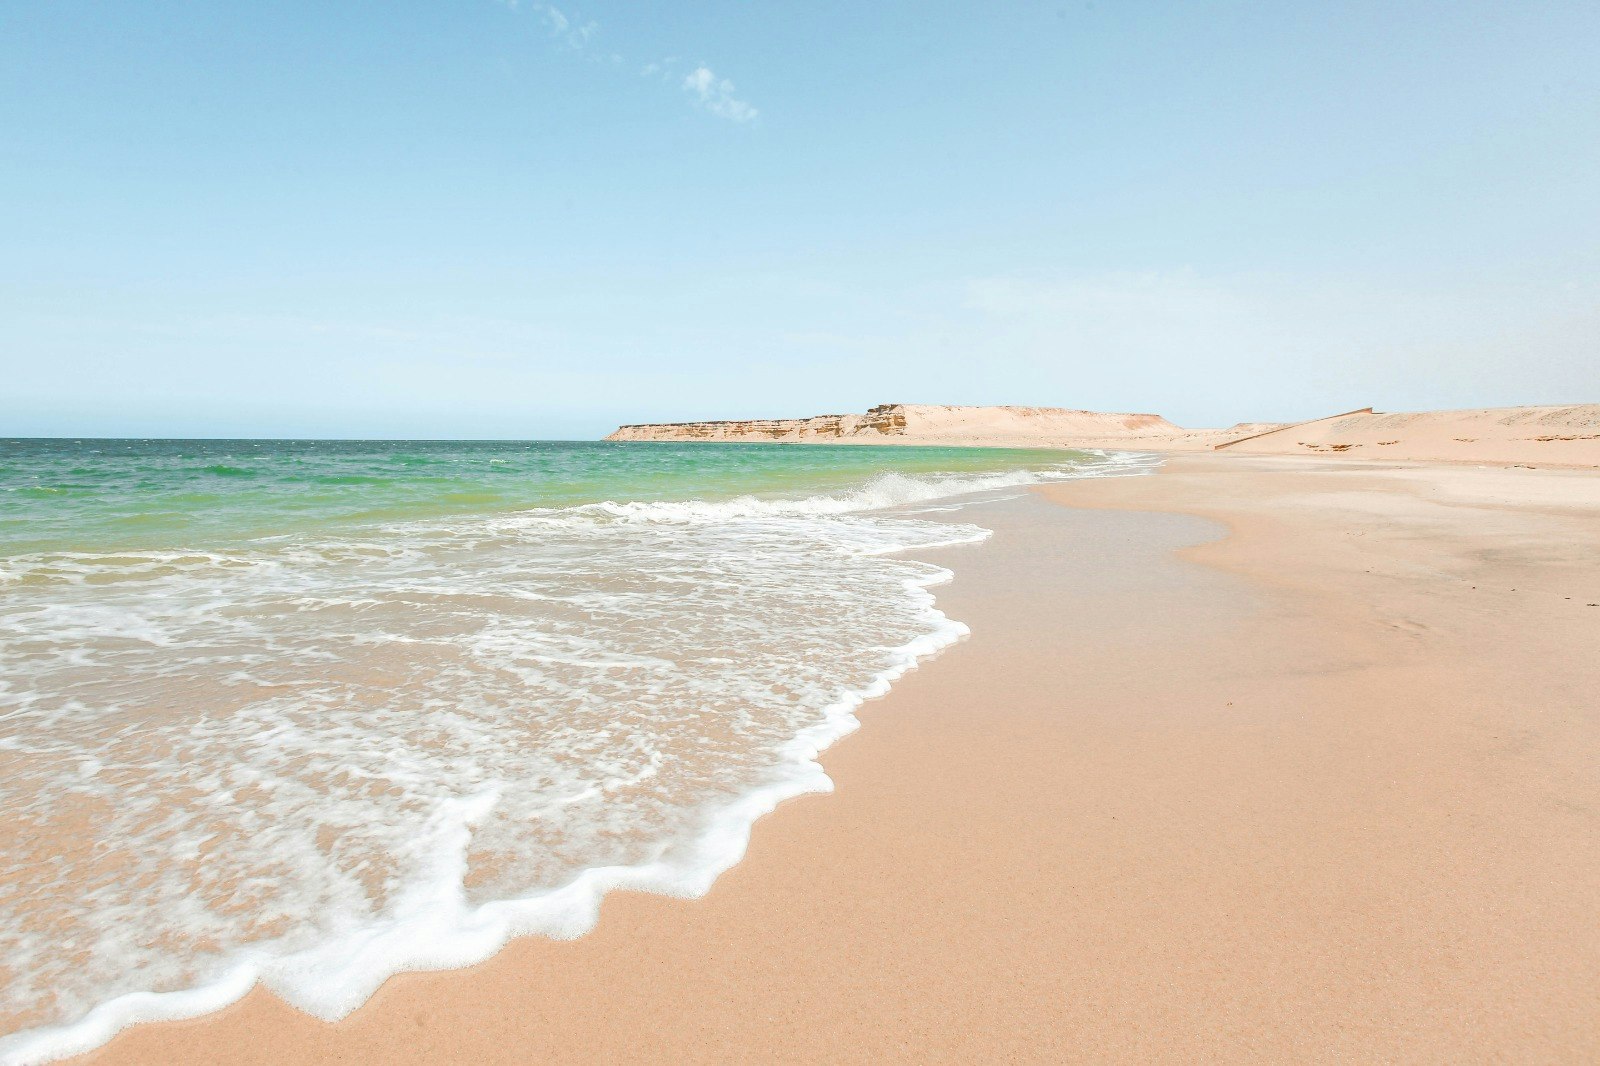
x=1321 y=796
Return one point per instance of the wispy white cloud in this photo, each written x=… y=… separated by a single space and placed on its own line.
x=661 y=68
x=716 y=95
x=709 y=92
x=572 y=31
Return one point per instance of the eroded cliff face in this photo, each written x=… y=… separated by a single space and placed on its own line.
x=882 y=420
x=891 y=422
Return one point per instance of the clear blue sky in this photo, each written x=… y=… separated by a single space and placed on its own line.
x=477 y=218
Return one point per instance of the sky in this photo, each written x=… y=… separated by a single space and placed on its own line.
x=487 y=218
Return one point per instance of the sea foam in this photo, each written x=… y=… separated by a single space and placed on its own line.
x=313 y=762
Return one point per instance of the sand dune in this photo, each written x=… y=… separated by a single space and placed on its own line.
x=1567 y=435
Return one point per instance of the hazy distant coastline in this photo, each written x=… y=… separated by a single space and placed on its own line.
x=1557 y=435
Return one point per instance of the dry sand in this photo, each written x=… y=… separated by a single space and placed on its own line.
x=1547 y=436
x=1324 y=789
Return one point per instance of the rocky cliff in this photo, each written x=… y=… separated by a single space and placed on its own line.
x=914 y=423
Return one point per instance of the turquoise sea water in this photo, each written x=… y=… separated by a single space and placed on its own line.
x=106 y=494
x=312 y=713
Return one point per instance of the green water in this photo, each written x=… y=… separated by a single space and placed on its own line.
x=100 y=495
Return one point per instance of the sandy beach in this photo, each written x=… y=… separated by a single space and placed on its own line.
x=1252 y=760
x=741 y=533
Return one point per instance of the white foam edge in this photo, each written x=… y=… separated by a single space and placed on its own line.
x=888 y=491
x=434 y=929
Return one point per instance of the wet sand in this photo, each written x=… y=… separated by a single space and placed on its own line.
x=1256 y=759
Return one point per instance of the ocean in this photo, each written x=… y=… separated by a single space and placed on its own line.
x=311 y=713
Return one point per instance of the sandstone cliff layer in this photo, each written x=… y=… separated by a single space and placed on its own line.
x=915 y=423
